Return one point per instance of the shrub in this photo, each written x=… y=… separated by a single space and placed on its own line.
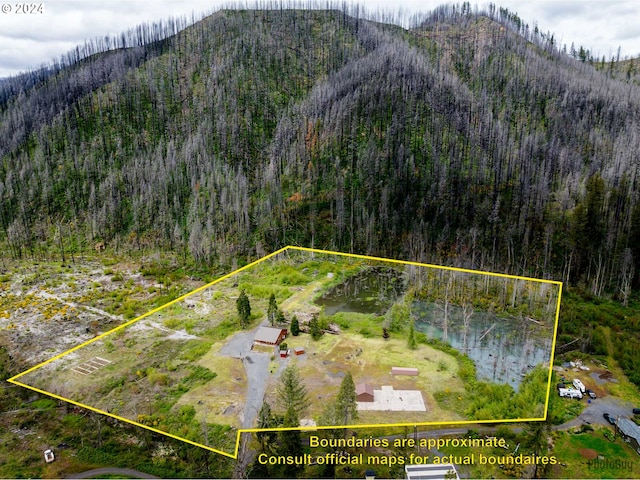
x=199 y=374
x=195 y=350
x=365 y=332
x=293 y=278
x=158 y=378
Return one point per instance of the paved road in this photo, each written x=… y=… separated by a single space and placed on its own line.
x=594 y=410
x=125 y=472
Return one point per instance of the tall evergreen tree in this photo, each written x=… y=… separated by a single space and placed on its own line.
x=536 y=437
x=291 y=393
x=291 y=443
x=244 y=308
x=265 y=421
x=295 y=326
x=411 y=340
x=272 y=310
x=346 y=402
x=314 y=328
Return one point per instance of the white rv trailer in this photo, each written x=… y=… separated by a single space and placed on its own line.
x=579 y=385
x=569 y=393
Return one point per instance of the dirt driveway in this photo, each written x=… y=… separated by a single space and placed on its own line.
x=256 y=367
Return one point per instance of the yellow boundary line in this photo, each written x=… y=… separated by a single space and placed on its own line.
x=553 y=351
x=132 y=422
x=417 y=264
x=144 y=315
x=14 y=379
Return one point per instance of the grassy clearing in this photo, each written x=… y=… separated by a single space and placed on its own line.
x=219 y=400
x=455 y=401
x=367 y=325
x=434 y=414
x=143 y=362
x=301 y=299
x=562 y=410
x=370 y=360
x=624 y=389
x=617 y=459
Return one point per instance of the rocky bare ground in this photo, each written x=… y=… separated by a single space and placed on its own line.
x=46 y=309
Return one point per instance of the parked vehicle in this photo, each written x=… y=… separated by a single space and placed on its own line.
x=591 y=393
x=609 y=418
x=636 y=411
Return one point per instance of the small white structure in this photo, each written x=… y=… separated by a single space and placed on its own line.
x=308 y=422
x=579 y=385
x=49 y=456
x=431 y=471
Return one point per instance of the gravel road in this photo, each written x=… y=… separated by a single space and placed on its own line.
x=594 y=410
x=256 y=366
x=125 y=472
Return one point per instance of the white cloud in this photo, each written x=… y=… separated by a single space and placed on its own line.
x=27 y=41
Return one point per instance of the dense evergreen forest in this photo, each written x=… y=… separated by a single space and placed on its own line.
x=468 y=138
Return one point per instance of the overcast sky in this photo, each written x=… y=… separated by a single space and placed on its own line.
x=28 y=40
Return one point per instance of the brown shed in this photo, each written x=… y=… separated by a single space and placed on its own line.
x=364 y=392
x=298 y=350
x=404 y=371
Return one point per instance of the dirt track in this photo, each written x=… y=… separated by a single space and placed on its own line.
x=111 y=471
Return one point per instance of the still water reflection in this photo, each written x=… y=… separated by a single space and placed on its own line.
x=503 y=349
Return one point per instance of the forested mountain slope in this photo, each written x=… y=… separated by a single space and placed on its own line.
x=467 y=140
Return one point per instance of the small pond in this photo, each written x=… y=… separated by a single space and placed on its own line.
x=372 y=290
x=503 y=349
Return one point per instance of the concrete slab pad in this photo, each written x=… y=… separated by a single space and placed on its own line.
x=388 y=399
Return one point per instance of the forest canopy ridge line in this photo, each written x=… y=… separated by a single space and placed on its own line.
x=444 y=146
x=157 y=33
